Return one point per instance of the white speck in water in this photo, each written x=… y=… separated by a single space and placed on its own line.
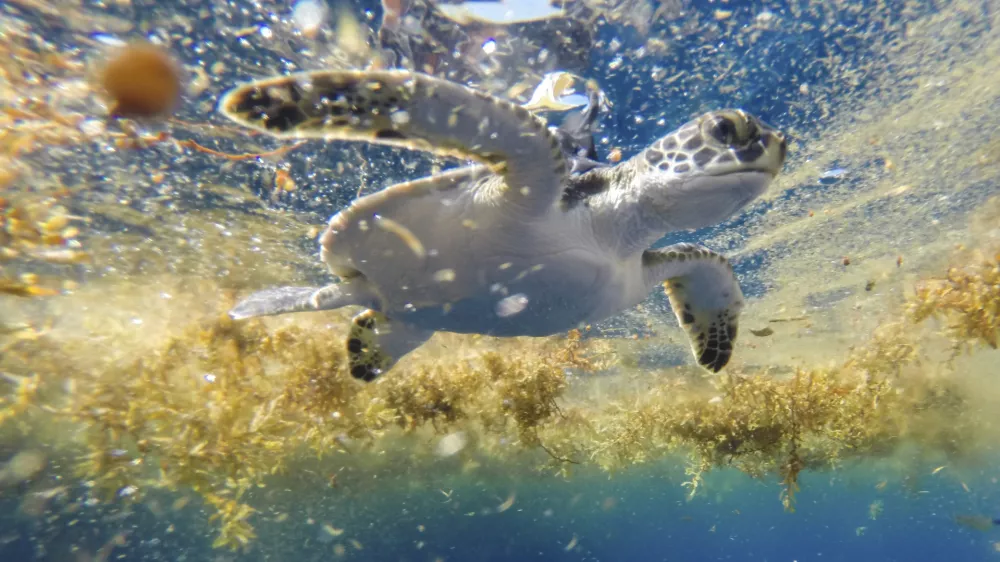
x=107 y=39
x=833 y=175
x=209 y=377
x=512 y=305
x=266 y=32
x=127 y=491
x=400 y=117
x=92 y=127
x=451 y=444
x=765 y=16
x=137 y=321
x=308 y=16
x=490 y=46
x=444 y=275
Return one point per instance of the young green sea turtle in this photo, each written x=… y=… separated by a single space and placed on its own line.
x=514 y=246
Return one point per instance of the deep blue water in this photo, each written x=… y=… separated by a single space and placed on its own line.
x=642 y=515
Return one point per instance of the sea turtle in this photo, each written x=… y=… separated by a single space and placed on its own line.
x=514 y=245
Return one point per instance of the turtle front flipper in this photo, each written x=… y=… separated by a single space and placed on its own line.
x=705 y=296
x=414 y=111
x=375 y=344
x=282 y=300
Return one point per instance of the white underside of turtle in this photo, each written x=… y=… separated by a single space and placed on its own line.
x=513 y=246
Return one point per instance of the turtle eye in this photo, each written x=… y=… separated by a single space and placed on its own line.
x=731 y=128
x=723 y=130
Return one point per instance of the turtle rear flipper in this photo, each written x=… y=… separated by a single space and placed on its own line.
x=375 y=343
x=413 y=111
x=705 y=296
x=282 y=300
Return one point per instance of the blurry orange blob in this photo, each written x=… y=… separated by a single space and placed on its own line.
x=284 y=181
x=141 y=80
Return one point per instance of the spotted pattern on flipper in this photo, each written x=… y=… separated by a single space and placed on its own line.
x=411 y=110
x=364 y=359
x=705 y=297
x=717 y=350
x=712 y=339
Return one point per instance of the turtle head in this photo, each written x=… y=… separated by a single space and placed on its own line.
x=708 y=169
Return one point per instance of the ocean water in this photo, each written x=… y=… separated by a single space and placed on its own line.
x=856 y=421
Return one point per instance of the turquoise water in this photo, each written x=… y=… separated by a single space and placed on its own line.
x=641 y=516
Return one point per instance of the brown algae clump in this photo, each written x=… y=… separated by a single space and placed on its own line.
x=37 y=233
x=220 y=407
x=966 y=299
x=223 y=405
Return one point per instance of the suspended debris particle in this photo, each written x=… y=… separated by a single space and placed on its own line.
x=142 y=80
x=332 y=531
x=832 y=176
x=404 y=234
x=23 y=466
x=309 y=17
x=444 y=276
x=765 y=17
x=350 y=34
x=511 y=305
x=507 y=504
x=283 y=181
x=451 y=444
x=555 y=92
x=399 y=118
